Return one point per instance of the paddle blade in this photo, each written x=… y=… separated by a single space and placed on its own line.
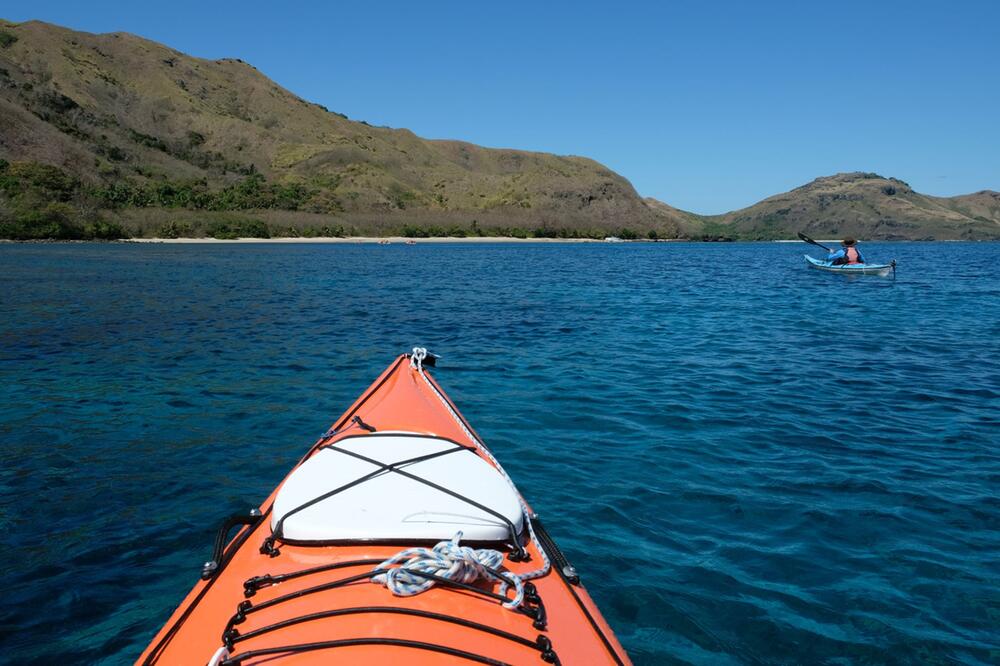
x=812 y=242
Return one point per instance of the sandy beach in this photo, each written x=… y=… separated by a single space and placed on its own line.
x=371 y=239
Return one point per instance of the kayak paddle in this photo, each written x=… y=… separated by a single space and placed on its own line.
x=810 y=240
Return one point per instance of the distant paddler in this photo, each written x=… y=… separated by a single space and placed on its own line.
x=848 y=260
x=848 y=254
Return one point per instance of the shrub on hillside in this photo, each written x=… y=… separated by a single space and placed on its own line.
x=31 y=189
x=410 y=231
x=716 y=231
x=174 y=229
x=42 y=181
x=245 y=228
x=148 y=140
x=101 y=229
x=55 y=220
x=57 y=102
x=253 y=192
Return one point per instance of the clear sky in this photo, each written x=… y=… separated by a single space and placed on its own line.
x=709 y=106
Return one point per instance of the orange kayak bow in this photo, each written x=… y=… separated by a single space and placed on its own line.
x=398 y=538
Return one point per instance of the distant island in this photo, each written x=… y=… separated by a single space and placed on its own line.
x=113 y=136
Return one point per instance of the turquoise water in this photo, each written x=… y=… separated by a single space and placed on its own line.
x=749 y=461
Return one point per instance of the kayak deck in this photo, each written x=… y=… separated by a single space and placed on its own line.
x=308 y=600
x=881 y=270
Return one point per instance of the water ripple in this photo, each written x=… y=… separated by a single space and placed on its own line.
x=749 y=462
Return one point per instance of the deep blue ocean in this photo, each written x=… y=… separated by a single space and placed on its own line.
x=747 y=460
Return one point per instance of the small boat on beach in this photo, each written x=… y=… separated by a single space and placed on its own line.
x=398 y=538
x=882 y=270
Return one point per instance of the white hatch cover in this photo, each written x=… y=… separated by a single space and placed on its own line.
x=391 y=506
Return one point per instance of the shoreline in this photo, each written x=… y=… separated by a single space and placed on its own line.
x=404 y=240
x=387 y=240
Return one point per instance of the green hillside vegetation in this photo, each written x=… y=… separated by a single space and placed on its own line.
x=113 y=135
x=858 y=204
x=864 y=205
x=139 y=126
x=42 y=202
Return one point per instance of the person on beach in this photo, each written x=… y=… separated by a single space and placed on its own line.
x=847 y=254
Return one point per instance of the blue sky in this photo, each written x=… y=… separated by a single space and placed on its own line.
x=709 y=106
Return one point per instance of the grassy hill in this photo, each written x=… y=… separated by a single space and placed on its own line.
x=863 y=205
x=866 y=205
x=156 y=138
x=110 y=135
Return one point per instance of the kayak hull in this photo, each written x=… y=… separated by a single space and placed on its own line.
x=881 y=270
x=315 y=603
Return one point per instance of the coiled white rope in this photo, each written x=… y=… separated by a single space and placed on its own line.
x=417 y=363
x=448 y=560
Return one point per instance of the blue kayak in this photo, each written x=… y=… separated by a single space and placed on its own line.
x=882 y=270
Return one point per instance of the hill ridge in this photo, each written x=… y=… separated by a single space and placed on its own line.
x=863 y=204
x=116 y=132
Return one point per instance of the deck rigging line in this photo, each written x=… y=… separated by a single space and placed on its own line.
x=237 y=660
x=447 y=563
x=541 y=643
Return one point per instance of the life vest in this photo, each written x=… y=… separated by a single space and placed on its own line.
x=852 y=255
